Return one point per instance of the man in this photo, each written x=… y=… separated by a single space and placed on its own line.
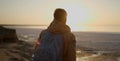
x=58 y=26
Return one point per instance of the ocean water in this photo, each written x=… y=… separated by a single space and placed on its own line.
x=90 y=46
x=98 y=46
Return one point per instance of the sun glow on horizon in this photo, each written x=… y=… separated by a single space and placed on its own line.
x=77 y=16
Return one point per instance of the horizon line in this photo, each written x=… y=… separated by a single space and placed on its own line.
x=21 y=25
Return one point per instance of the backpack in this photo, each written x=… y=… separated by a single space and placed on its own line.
x=50 y=48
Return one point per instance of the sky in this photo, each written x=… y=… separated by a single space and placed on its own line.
x=83 y=15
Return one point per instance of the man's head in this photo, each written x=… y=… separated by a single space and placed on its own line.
x=60 y=15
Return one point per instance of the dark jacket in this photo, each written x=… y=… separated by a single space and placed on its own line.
x=69 y=42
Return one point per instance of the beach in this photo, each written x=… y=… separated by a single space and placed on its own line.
x=97 y=57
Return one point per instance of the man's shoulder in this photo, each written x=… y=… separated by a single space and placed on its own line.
x=69 y=34
x=43 y=31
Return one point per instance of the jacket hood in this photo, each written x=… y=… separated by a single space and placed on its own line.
x=58 y=27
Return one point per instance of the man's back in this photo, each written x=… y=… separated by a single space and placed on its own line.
x=68 y=42
x=50 y=48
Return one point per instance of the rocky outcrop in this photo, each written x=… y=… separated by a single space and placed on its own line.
x=7 y=35
x=19 y=51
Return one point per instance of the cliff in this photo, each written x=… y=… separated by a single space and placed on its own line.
x=7 y=35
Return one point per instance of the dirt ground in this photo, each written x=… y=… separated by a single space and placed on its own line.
x=18 y=51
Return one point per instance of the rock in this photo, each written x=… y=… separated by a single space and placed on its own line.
x=7 y=35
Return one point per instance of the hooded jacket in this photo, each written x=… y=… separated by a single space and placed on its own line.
x=69 y=42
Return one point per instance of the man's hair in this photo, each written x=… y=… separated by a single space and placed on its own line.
x=60 y=13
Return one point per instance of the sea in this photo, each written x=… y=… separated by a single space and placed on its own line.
x=90 y=46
